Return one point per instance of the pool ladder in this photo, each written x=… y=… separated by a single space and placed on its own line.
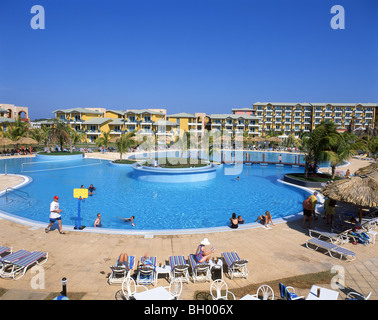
x=10 y=189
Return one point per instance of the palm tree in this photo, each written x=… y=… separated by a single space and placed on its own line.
x=77 y=137
x=103 y=140
x=325 y=143
x=36 y=134
x=17 y=129
x=125 y=142
x=207 y=142
x=372 y=145
x=345 y=147
x=181 y=143
x=148 y=144
x=60 y=133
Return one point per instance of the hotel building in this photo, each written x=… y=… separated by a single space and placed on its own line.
x=287 y=118
x=264 y=117
x=94 y=121
x=10 y=112
x=235 y=123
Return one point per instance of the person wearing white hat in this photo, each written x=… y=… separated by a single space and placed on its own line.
x=201 y=254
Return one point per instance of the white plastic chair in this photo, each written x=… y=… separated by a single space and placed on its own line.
x=175 y=288
x=216 y=289
x=129 y=287
x=265 y=292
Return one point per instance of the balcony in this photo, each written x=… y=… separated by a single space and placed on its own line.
x=95 y=132
x=167 y=133
x=146 y=132
x=147 y=122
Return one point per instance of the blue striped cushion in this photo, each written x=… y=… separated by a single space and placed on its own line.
x=30 y=258
x=194 y=263
x=177 y=261
x=153 y=260
x=3 y=249
x=15 y=256
x=232 y=257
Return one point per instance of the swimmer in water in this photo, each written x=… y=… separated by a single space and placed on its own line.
x=131 y=219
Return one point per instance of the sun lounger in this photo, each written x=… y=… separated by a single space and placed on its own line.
x=13 y=257
x=19 y=266
x=200 y=271
x=332 y=249
x=236 y=267
x=5 y=250
x=369 y=223
x=179 y=268
x=336 y=238
x=146 y=273
x=119 y=273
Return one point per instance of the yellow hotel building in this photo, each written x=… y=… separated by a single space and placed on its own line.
x=264 y=117
x=94 y=121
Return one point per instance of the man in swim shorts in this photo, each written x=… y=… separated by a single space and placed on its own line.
x=307 y=211
x=91 y=188
x=55 y=215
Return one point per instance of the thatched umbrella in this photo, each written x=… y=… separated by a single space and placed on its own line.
x=114 y=139
x=26 y=140
x=6 y=142
x=366 y=170
x=274 y=139
x=258 y=139
x=360 y=190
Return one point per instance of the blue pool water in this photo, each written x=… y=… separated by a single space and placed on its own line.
x=155 y=205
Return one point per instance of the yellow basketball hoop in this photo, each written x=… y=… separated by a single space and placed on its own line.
x=83 y=193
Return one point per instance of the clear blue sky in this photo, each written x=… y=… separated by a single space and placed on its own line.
x=186 y=55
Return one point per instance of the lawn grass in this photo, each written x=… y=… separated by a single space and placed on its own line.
x=176 y=163
x=124 y=161
x=319 y=177
x=60 y=153
x=2 y=291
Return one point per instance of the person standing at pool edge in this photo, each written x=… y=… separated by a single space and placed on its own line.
x=307 y=211
x=55 y=215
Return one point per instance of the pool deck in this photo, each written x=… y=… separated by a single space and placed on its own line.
x=84 y=258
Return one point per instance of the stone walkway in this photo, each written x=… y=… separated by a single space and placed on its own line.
x=85 y=258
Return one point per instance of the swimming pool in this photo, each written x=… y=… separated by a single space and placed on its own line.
x=203 y=204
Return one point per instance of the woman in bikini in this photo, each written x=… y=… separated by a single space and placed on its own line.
x=201 y=254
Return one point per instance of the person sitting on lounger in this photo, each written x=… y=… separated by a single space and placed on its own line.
x=146 y=261
x=123 y=261
x=265 y=219
x=201 y=254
